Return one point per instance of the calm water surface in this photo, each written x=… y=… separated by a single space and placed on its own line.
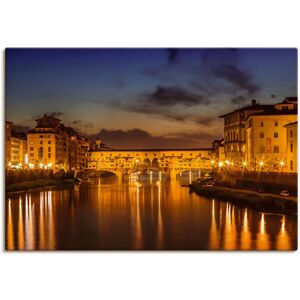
x=102 y=214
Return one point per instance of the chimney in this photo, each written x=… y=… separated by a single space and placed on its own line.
x=254 y=102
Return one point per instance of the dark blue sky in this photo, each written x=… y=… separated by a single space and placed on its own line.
x=172 y=96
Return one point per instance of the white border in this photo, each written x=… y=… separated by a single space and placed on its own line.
x=176 y=275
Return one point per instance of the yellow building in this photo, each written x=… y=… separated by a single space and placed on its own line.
x=292 y=147
x=8 y=130
x=266 y=141
x=48 y=144
x=18 y=148
x=235 y=133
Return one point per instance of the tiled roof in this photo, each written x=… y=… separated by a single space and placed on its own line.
x=275 y=112
x=250 y=107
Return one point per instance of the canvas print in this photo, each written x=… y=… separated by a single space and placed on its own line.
x=151 y=149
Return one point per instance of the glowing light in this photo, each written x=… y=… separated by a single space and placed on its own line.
x=212 y=162
x=282 y=163
x=244 y=164
x=41 y=165
x=220 y=164
x=26 y=158
x=227 y=162
x=50 y=165
x=31 y=166
x=261 y=163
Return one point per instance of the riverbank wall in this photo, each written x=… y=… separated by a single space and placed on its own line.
x=259 y=202
x=270 y=182
x=38 y=183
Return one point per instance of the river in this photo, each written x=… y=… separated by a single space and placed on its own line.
x=102 y=214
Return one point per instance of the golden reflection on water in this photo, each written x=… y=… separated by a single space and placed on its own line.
x=139 y=215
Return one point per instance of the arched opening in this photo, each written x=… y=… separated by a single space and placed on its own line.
x=147 y=163
x=100 y=174
x=155 y=163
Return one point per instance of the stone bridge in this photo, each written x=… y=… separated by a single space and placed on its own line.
x=172 y=162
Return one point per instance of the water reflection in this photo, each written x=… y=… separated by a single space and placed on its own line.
x=101 y=214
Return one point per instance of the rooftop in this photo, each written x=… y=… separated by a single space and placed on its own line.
x=150 y=150
x=290 y=124
x=253 y=106
x=275 y=112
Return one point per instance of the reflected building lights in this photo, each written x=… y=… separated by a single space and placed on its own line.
x=214 y=234
x=138 y=227
x=21 y=226
x=262 y=239
x=245 y=235
x=283 y=239
x=10 y=228
x=160 y=229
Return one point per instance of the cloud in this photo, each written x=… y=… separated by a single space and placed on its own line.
x=164 y=96
x=238 y=100
x=172 y=55
x=56 y=114
x=273 y=96
x=225 y=64
x=238 y=77
x=141 y=139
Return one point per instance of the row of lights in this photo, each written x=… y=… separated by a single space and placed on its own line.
x=227 y=162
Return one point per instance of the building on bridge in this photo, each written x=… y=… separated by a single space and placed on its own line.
x=173 y=161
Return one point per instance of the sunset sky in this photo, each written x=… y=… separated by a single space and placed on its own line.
x=145 y=98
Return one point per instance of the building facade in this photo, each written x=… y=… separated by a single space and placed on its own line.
x=18 y=149
x=8 y=132
x=218 y=151
x=48 y=144
x=292 y=147
x=235 y=132
x=266 y=141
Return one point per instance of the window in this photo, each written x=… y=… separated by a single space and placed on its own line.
x=49 y=142
x=31 y=154
x=291 y=147
x=291 y=165
x=41 y=142
x=261 y=149
x=261 y=135
x=49 y=149
x=261 y=124
x=291 y=133
x=276 y=149
x=40 y=152
x=41 y=136
x=49 y=155
x=276 y=123
x=276 y=135
x=31 y=148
